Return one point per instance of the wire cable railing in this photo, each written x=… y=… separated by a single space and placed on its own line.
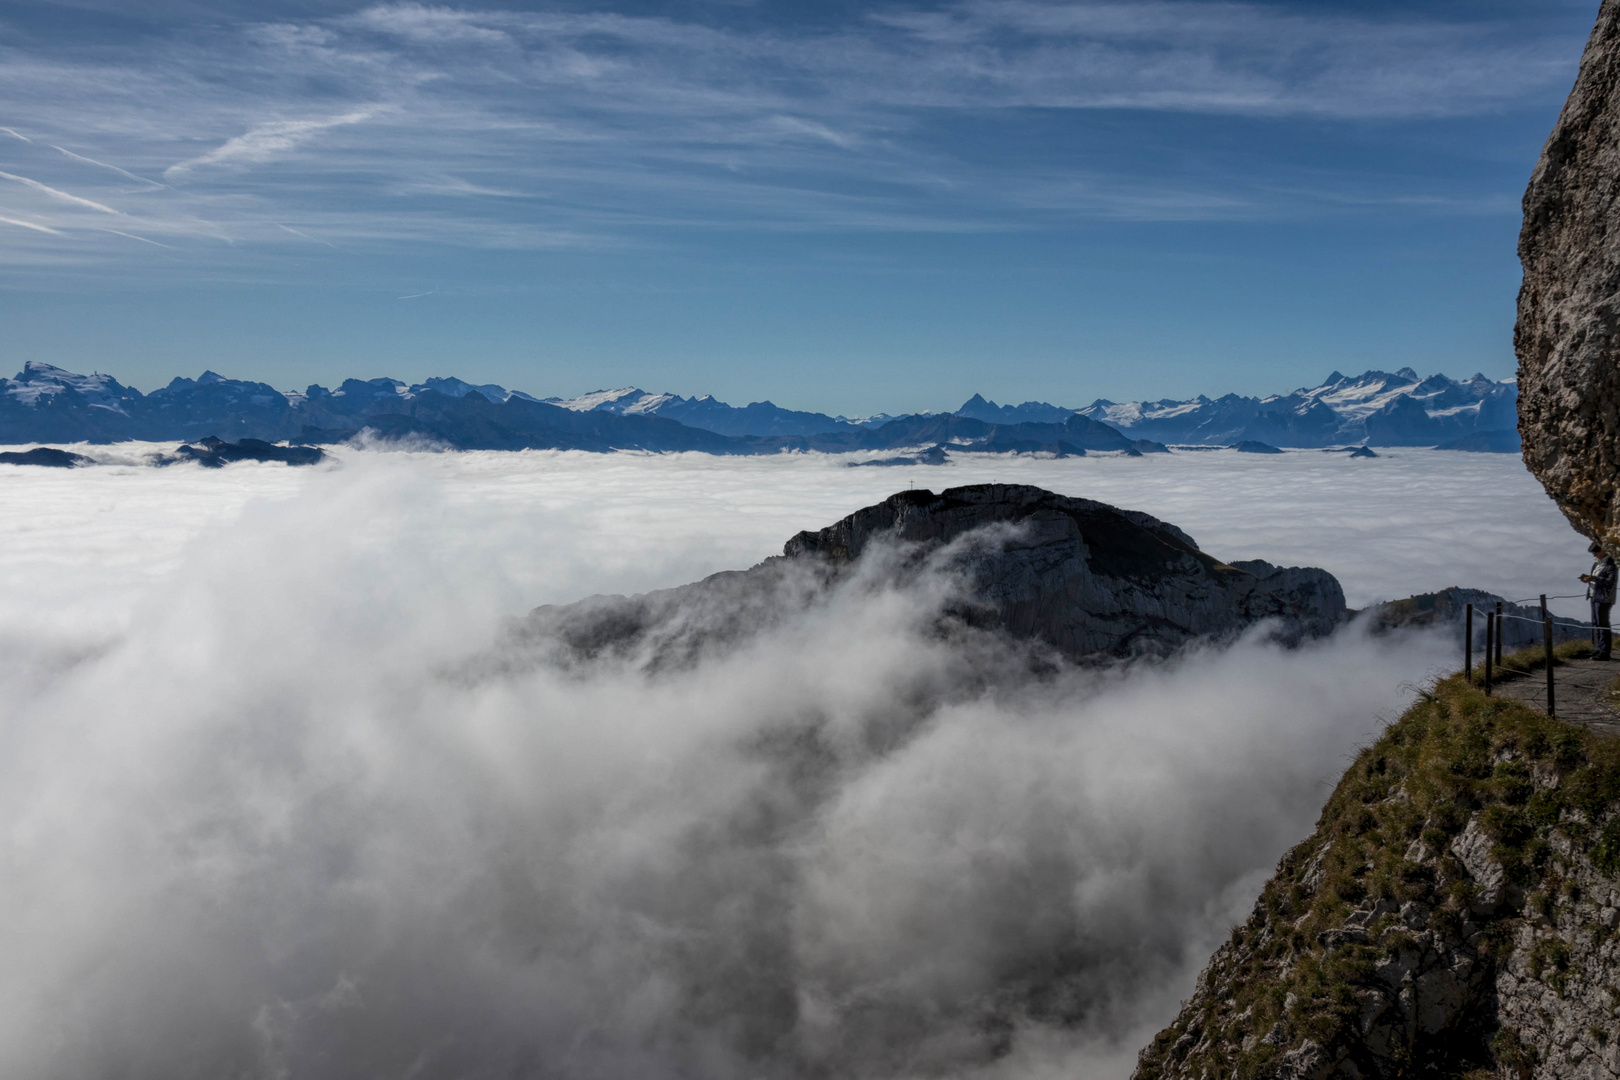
x=1495 y=633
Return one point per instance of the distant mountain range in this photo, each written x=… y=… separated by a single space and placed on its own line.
x=1377 y=408
x=49 y=404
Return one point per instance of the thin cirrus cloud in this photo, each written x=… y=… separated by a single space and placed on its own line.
x=605 y=125
x=265 y=142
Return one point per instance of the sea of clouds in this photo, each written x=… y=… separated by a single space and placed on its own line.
x=267 y=810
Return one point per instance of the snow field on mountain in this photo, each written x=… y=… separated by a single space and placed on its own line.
x=78 y=549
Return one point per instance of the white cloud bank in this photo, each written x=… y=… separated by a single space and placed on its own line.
x=82 y=547
x=259 y=818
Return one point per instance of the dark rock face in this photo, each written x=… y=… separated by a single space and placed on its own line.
x=1085 y=577
x=48 y=456
x=1569 y=305
x=1081 y=577
x=1249 y=446
x=215 y=453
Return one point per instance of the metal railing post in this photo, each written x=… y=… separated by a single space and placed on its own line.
x=1500 y=628
x=1546 y=638
x=1490 y=642
x=1468 y=643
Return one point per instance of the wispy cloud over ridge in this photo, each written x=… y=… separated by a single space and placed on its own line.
x=615 y=123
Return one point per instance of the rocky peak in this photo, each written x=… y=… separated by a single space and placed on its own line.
x=927 y=518
x=1082 y=578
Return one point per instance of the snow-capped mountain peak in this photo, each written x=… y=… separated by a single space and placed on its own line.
x=1389 y=408
x=38 y=380
x=614 y=401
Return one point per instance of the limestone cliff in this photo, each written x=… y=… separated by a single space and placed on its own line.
x=1081 y=577
x=1569 y=305
x=1453 y=915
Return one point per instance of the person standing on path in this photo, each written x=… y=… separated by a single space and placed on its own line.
x=1600 y=591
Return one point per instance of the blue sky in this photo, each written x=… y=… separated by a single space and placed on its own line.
x=849 y=207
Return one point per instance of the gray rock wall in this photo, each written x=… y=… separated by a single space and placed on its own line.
x=1569 y=305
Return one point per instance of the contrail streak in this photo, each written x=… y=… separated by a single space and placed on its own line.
x=64 y=196
x=104 y=165
x=29 y=225
x=142 y=239
x=305 y=235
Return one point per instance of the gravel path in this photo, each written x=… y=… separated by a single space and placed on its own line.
x=1580 y=693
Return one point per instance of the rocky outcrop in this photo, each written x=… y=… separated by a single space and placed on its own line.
x=1569 y=305
x=215 y=453
x=1448 y=609
x=1080 y=577
x=1083 y=576
x=1455 y=914
x=48 y=456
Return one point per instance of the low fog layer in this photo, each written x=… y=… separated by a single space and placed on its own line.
x=266 y=813
x=80 y=547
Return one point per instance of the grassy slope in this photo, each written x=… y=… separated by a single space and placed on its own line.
x=1544 y=791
